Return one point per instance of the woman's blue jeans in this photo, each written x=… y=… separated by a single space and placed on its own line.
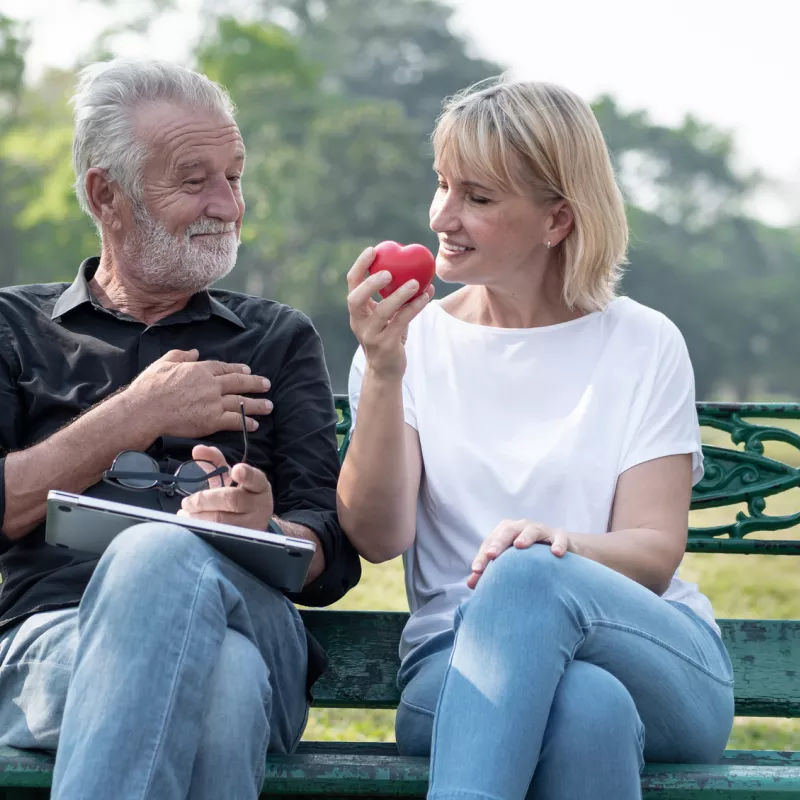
x=561 y=678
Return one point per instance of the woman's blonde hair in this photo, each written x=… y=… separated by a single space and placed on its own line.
x=542 y=140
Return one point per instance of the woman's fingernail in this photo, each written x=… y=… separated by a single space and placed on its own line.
x=268 y=405
x=412 y=285
x=267 y=384
x=476 y=565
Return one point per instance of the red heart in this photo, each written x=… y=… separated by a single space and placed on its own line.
x=413 y=262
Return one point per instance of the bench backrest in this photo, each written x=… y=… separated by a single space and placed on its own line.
x=362 y=648
x=733 y=475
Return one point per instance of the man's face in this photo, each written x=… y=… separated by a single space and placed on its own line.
x=185 y=234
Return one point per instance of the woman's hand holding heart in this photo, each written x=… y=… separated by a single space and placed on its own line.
x=381 y=328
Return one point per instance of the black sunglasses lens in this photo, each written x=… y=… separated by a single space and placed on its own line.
x=191 y=477
x=131 y=461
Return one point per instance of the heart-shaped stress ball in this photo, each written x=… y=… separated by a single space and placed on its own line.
x=412 y=262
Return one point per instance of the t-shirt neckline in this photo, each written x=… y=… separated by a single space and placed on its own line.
x=539 y=330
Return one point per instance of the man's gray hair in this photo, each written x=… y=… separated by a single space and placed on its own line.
x=106 y=97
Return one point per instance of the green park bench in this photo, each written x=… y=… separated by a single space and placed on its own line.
x=363 y=652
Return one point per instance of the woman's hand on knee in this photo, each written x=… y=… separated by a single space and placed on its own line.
x=521 y=533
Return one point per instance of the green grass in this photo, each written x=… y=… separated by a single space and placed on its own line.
x=762 y=587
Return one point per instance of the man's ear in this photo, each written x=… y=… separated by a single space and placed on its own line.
x=104 y=198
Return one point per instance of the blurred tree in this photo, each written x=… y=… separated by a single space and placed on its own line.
x=336 y=102
x=51 y=235
x=401 y=50
x=12 y=66
x=695 y=255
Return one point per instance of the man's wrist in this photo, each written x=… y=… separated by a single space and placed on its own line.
x=302 y=532
x=134 y=411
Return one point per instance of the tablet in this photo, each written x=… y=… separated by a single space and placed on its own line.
x=89 y=524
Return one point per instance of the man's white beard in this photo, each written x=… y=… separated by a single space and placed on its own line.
x=166 y=262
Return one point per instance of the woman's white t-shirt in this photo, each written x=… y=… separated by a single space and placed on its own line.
x=533 y=423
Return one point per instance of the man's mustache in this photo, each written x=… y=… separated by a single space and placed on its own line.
x=208 y=225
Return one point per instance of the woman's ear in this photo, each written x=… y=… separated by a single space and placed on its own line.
x=560 y=222
x=104 y=198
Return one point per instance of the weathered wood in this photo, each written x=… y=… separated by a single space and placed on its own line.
x=363 y=657
x=328 y=769
x=747 y=758
x=344 y=775
x=25 y=768
x=362 y=647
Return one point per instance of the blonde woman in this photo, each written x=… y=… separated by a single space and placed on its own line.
x=529 y=444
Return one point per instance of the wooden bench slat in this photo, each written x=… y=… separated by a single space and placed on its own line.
x=751 y=758
x=361 y=769
x=362 y=647
x=347 y=775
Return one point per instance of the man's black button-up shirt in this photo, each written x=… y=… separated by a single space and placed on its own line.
x=61 y=353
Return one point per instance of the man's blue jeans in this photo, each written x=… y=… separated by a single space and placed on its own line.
x=171 y=680
x=560 y=679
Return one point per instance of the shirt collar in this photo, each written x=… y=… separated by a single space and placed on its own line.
x=199 y=307
x=78 y=293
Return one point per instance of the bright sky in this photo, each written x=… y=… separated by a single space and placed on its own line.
x=733 y=63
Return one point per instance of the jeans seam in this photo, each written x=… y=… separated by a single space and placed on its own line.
x=303 y=727
x=181 y=659
x=420 y=709
x=435 y=728
x=262 y=764
x=655 y=640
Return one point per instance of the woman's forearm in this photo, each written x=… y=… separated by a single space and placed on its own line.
x=379 y=481
x=649 y=557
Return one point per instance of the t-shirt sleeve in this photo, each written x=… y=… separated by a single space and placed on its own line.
x=666 y=424
x=355 y=380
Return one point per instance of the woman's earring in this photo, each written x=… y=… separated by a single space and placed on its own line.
x=548 y=244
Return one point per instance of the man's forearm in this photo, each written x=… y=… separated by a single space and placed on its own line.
x=317 y=566
x=71 y=460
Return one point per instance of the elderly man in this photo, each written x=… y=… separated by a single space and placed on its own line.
x=163 y=670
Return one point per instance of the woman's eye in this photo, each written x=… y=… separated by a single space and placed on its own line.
x=234 y=178
x=480 y=201
x=441 y=184
x=194 y=182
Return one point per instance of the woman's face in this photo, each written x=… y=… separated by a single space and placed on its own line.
x=486 y=235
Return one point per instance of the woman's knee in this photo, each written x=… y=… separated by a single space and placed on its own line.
x=519 y=574
x=593 y=713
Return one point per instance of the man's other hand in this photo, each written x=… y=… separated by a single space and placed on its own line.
x=183 y=396
x=248 y=505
